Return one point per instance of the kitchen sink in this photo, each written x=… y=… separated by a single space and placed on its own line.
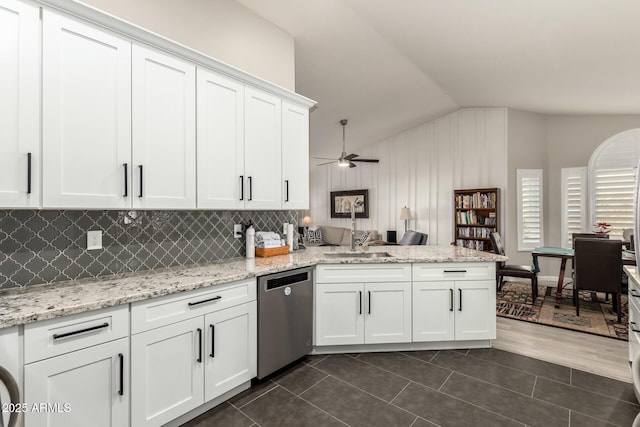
x=358 y=254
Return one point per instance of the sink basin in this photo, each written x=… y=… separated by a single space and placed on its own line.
x=358 y=254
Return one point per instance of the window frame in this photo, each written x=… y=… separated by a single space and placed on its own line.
x=521 y=175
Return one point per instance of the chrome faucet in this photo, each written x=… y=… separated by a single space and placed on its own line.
x=356 y=204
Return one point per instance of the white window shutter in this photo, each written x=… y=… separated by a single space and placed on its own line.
x=530 y=209
x=613 y=198
x=574 y=203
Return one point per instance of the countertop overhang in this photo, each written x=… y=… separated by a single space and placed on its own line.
x=41 y=302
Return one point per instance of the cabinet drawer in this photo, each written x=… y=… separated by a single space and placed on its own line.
x=63 y=335
x=454 y=271
x=360 y=273
x=156 y=312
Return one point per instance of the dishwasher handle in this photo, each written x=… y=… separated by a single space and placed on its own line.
x=292 y=279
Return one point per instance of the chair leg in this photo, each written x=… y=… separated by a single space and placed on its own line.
x=619 y=308
x=534 y=288
x=500 y=281
x=576 y=298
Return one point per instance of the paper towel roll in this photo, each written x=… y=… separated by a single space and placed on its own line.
x=290 y=237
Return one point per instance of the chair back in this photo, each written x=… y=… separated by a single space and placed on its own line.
x=412 y=237
x=627 y=233
x=598 y=264
x=496 y=242
x=575 y=236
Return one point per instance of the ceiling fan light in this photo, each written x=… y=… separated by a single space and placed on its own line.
x=344 y=163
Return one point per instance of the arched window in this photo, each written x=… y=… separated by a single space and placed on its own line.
x=611 y=181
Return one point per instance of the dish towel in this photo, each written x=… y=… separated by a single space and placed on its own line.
x=267 y=236
x=269 y=244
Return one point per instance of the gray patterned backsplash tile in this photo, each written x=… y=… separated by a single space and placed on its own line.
x=50 y=246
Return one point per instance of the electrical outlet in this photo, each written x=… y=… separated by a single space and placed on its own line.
x=94 y=240
x=237 y=231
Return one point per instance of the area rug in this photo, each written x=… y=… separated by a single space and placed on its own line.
x=596 y=314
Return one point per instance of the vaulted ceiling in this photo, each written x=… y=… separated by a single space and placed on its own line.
x=390 y=65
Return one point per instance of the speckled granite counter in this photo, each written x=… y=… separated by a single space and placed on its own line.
x=34 y=303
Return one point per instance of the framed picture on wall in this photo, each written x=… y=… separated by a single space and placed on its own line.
x=341 y=202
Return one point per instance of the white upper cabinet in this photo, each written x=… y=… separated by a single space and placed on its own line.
x=295 y=156
x=164 y=130
x=220 y=142
x=86 y=115
x=263 y=145
x=20 y=105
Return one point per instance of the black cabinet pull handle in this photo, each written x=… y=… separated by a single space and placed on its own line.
x=450 y=299
x=140 y=170
x=68 y=334
x=360 y=299
x=199 y=345
x=241 y=187
x=217 y=297
x=632 y=328
x=213 y=341
x=250 y=189
x=369 y=297
x=126 y=179
x=28 y=173
x=634 y=293
x=460 y=301
x=286 y=181
x=121 y=389
x=455 y=271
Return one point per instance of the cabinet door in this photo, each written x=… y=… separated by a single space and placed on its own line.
x=262 y=147
x=164 y=130
x=167 y=380
x=475 y=310
x=88 y=387
x=231 y=349
x=86 y=115
x=220 y=142
x=433 y=311
x=387 y=313
x=295 y=156
x=339 y=313
x=20 y=105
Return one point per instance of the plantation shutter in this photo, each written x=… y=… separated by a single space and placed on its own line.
x=530 y=225
x=574 y=203
x=614 y=199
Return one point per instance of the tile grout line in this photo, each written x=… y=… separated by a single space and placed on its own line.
x=400 y=392
x=317 y=407
x=309 y=388
x=445 y=381
x=257 y=397
x=414 y=421
x=535 y=382
x=403 y=377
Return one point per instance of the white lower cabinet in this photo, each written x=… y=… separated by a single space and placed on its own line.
x=206 y=346
x=350 y=312
x=450 y=302
x=76 y=370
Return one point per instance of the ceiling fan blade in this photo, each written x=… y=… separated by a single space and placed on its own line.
x=325 y=158
x=352 y=165
x=366 y=160
x=351 y=156
x=326 y=163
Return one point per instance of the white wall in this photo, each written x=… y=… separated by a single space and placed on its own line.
x=223 y=29
x=420 y=168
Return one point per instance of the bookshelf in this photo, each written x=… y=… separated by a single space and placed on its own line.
x=476 y=215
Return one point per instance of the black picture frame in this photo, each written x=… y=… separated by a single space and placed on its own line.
x=341 y=203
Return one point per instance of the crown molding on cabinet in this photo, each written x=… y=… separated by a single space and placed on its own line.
x=140 y=34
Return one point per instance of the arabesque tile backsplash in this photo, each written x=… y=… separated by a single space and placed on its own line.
x=50 y=246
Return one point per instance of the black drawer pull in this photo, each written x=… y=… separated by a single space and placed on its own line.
x=450 y=299
x=121 y=389
x=460 y=302
x=455 y=271
x=68 y=334
x=206 y=300
x=250 y=189
x=126 y=179
x=199 y=345
x=213 y=341
x=360 y=300
x=634 y=293
x=369 y=297
x=28 y=173
x=287 y=194
x=241 y=187
x=632 y=328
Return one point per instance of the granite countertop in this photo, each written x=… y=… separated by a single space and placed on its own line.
x=42 y=302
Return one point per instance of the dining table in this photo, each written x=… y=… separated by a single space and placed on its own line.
x=628 y=258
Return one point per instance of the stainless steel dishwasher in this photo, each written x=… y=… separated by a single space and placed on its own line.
x=285 y=318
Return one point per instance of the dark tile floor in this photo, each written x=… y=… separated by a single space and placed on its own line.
x=486 y=387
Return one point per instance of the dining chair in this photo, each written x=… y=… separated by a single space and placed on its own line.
x=598 y=267
x=412 y=237
x=507 y=270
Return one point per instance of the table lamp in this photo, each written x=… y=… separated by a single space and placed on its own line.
x=405 y=214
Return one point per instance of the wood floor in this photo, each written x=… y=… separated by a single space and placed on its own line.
x=599 y=355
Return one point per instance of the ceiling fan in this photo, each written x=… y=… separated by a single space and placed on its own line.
x=345 y=160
